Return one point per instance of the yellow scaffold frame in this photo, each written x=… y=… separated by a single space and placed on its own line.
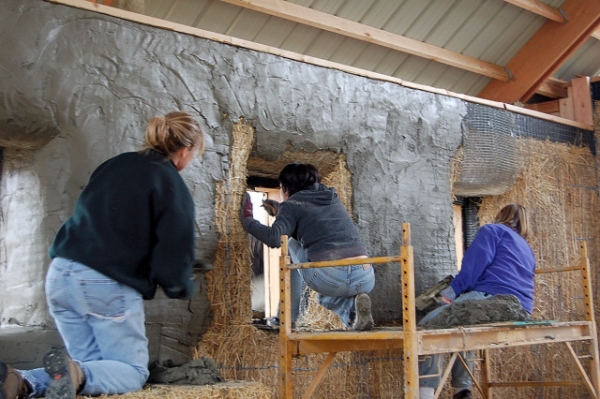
x=415 y=342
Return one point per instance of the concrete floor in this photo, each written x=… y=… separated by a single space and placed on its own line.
x=24 y=348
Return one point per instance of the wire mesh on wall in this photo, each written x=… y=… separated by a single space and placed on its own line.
x=470 y=219
x=490 y=162
x=530 y=127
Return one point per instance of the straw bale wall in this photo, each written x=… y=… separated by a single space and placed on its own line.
x=247 y=353
x=557 y=183
x=224 y=390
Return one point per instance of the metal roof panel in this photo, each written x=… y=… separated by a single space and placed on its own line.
x=492 y=30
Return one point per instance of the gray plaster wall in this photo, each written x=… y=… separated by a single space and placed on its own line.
x=77 y=87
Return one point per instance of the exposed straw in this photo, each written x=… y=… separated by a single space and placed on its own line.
x=557 y=184
x=224 y=390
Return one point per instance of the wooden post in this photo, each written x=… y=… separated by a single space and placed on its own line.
x=565 y=105
x=589 y=316
x=485 y=373
x=411 y=357
x=285 y=322
x=582 y=100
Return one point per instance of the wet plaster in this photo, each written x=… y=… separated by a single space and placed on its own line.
x=494 y=309
x=77 y=87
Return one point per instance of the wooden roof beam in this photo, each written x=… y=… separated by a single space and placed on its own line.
x=543 y=9
x=554 y=88
x=545 y=52
x=356 y=30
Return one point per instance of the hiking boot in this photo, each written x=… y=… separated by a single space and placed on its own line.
x=362 y=307
x=464 y=394
x=66 y=375
x=12 y=385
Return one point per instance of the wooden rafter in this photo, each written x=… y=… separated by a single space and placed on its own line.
x=554 y=88
x=545 y=52
x=356 y=30
x=537 y=7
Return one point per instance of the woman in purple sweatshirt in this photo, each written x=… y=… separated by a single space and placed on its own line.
x=498 y=261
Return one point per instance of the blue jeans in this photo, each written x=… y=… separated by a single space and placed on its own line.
x=102 y=325
x=430 y=364
x=336 y=286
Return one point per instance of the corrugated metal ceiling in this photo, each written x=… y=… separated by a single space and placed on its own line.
x=489 y=30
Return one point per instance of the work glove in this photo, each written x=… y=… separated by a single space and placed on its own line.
x=271 y=206
x=448 y=295
x=246 y=210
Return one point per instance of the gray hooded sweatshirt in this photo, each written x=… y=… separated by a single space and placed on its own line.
x=318 y=220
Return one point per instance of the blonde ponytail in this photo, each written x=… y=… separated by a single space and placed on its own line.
x=170 y=133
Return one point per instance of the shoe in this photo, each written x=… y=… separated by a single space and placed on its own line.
x=12 y=385
x=66 y=375
x=273 y=322
x=464 y=394
x=362 y=308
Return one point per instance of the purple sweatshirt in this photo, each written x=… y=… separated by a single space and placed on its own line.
x=499 y=261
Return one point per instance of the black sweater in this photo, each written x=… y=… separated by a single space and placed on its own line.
x=134 y=222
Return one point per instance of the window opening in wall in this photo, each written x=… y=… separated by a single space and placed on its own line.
x=262 y=183
x=459 y=242
x=466 y=224
x=265 y=261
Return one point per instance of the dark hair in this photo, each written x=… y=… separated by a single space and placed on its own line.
x=297 y=177
x=515 y=217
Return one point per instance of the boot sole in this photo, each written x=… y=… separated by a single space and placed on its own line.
x=56 y=364
x=364 y=319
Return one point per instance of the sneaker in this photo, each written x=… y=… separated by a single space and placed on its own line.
x=66 y=375
x=362 y=308
x=273 y=322
x=12 y=385
x=464 y=394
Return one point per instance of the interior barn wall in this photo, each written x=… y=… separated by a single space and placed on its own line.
x=87 y=83
x=99 y=79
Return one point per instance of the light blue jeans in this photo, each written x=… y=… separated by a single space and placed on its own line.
x=430 y=364
x=336 y=286
x=102 y=325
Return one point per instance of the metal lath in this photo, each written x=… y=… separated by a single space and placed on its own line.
x=490 y=160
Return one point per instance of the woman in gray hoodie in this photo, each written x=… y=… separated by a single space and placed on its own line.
x=320 y=229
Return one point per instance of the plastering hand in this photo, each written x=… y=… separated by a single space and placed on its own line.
x=448 y=295
x=271 y=206
x=246 y=210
